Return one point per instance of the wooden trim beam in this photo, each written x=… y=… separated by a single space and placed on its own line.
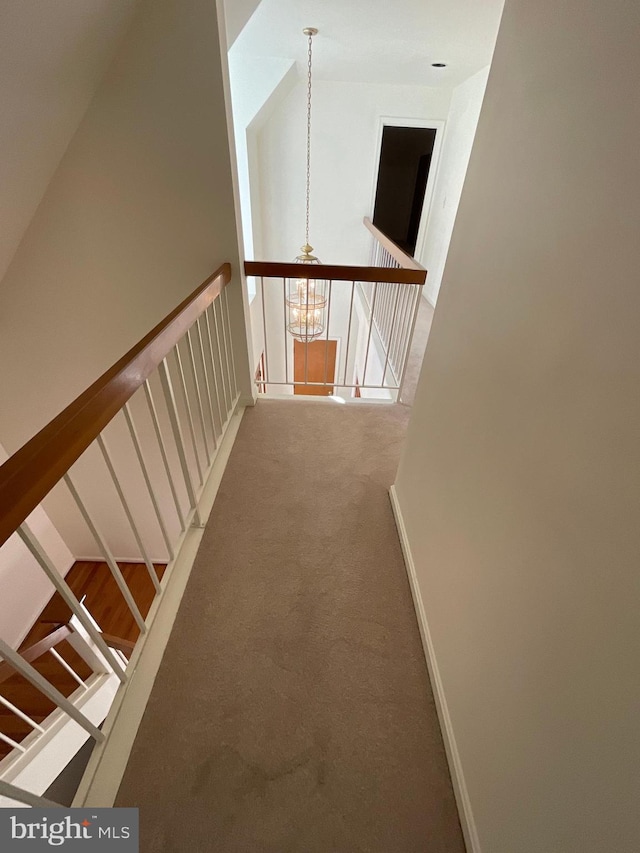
x=269 y=269
x=30 y=474
x=405 y=261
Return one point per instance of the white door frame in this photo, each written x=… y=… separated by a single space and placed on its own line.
x=435 y=124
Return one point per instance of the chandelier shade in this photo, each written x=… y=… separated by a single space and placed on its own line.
x=306 y=302
x=306 y=298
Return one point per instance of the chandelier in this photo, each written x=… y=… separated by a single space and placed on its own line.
x=306 y=299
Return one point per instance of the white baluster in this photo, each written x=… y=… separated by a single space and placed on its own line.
x=225 y=298
x=170 y=400
x=264 y=329
x=418 y=289
x=163 y=452
x=214 y=373
x=20 y=714
x=68 y=668
x=393 y=330
x=127 y=510
x=200 y=342
x=66 y=593
x=192 y=433
x=147 y=478
x=366 y=357
x=346 y=355
x=12 y=743
x=33 y=676
x=223 y=369
x=106 y=553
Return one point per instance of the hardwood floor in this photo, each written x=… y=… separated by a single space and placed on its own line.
x=105 y=602
x=103 y=599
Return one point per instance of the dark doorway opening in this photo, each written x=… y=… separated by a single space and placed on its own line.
x=405 y=159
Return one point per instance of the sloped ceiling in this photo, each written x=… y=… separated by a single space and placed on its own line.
x=52 y=57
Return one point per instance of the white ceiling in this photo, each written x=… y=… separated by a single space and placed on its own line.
x=378 y=41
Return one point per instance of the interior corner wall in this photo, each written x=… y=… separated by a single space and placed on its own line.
x=254 y=82
x=139 y=212
x=258 y=86
x=462 y=121
x=519 y=482
x=25 y=587
x=345 y=128
x=237 y=14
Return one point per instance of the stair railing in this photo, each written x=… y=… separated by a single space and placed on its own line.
x=47 y=644
x=189 y=356
x=73 y=634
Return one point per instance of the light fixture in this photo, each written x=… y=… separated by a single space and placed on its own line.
x=307 y=297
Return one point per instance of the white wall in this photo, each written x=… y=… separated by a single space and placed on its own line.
x=462 y=120
x=345 y=128
x=254 y=81
x=519 y=482
x=258 y=86
x=138 y=213
x=52 y=56
x=237 y=13
x=25 y=588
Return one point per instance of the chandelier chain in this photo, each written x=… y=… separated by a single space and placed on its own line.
x=308 y=139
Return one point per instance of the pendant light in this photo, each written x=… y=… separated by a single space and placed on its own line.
x=307 y=297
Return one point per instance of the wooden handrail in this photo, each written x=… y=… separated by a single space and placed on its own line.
x=270 y=269
x=30 y=474
x=405 y=261
x=37 y=650
x=126 y=646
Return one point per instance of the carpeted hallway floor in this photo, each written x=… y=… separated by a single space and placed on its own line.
x=292 y=712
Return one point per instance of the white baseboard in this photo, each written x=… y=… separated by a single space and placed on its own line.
x=455 y=767
x=108 y=762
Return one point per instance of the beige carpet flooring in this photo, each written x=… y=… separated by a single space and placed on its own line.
x=292 y=712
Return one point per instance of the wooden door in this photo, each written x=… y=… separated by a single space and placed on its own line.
x=320 y=366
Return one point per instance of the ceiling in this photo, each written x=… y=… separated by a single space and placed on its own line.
x=378 y=41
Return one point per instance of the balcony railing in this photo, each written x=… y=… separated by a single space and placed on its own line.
x=370 y=319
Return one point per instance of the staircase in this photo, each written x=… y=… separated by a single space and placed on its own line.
x=60 y=652
x=46 y=656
